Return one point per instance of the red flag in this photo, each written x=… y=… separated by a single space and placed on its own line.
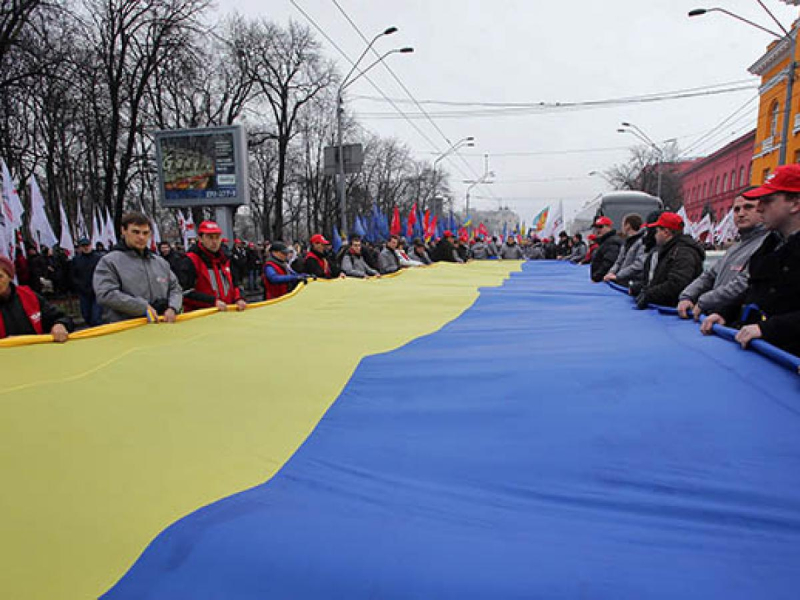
x=426 y=222
x=412 y=220
x=463 y=234
x=396 y=227
x=430 y=230
x=483 y=231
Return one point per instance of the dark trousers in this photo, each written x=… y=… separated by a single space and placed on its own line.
x=91 y=311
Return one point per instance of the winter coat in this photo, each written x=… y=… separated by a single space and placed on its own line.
x=354 y=265
x=126 y=281
x=388 y=261
x=774 y=287
x=680 y=261
x=725 y=283
x=630 y=261
x=578 y=253
x=25 y=312
x=206 y=278
x=445 y=252
x=419 y=256
x=511 y=252
x=604 y=257
x=83 y=266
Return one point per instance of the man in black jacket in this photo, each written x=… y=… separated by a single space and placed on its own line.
x=770 y=308
x=83 y=266
x=679 y=260
x=608 y=247
x=445 y=251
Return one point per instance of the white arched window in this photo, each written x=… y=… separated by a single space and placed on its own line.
x=741 y=176
x=774 y=113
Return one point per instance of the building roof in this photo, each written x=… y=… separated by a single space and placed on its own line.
x=699 y=163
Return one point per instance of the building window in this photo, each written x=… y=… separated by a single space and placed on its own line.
x=774 y=113
x=732 y=180
x=797 y=156
x=742 y=181
x=764 y=175
x=716 y=186
x=724 y=182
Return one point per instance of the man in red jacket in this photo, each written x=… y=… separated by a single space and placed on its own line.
x=206 y=273
x=24 y=312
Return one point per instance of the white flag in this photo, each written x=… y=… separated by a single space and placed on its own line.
x=555 y=222
x=108 y=229
x=82 y=229
x=66 y=242
x=156 y=238
x=704 y=226
x=726 y=229
x=189 y=232
x=39 y=227
x=97 y=230
x=688 y=226
x=5 y=245
x=12 y=207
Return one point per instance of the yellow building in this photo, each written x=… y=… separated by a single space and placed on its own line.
x=773 y=68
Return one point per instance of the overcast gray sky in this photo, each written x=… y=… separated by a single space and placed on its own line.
x=515 y=51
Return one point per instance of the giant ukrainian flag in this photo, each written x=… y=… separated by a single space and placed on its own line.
x=546 y=441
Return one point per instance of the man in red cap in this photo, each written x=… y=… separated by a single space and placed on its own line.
x=679 y=260
x=608 y=247
x=317 y=262
x=206 y=273
x=24 y=312
x=770 y=308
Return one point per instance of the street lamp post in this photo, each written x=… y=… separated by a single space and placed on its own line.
x=468 y=141
x=482 y=179
x=792 y=37
x=641 y=135
x=340 y=113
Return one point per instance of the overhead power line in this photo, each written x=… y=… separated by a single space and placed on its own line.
x=408 y=93
x=746 y=83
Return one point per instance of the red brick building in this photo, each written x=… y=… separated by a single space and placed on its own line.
x=714 y=181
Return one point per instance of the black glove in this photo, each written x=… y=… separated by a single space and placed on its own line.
x=160 y=304
x=641 y=301
x=635 y=289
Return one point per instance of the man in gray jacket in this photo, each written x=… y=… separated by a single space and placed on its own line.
x=726 y=282
x=630 y=262
x=353 y=264
x=510 y=250
x=387 y=260
x=132 y=281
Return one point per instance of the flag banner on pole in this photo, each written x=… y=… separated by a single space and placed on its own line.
x=82 y=229
x=108 y=230
x=12 y=206
x=66 y=242
x=39 y=225
x=540 y=220
x=97 y=229
x=670 y=488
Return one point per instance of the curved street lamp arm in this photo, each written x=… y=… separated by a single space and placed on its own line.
x=697 y=12
x=773 y=17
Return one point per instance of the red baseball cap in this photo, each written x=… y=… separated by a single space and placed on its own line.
x=603 y=221
x=447 y=233
x=592 y=237
x=668 y=220
x=318 y=239
x=784 y=179
x=209 y=227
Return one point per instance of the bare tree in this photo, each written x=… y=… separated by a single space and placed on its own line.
x=289 y=72
x=641 y=173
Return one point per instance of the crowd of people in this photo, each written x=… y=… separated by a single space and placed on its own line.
x=753 y=288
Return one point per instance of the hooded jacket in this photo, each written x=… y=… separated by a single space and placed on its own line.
x=126 y=281
x=511 y=252
x=680 y=261
x=726 y=282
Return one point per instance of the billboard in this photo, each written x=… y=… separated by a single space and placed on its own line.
x=202 y=167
